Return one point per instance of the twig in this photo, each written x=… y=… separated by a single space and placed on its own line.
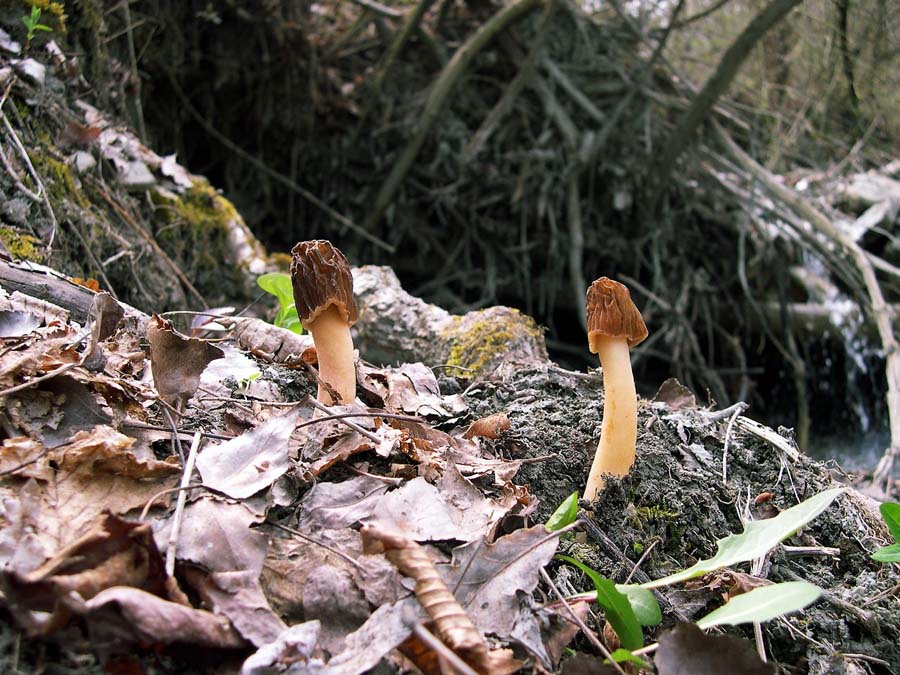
x=275 y=175
x=343 y=556
x=34 y=174
x=588 y=633
x=137 y=227
x=442 y=650
x=728 y=431
x=179 y=507
x=163 y=493
x=443 y=87
x=640 y=560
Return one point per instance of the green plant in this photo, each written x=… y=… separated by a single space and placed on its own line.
x=565 y=514
x=33 y=24
x=279 y=285
x=890 y=512
x=629 y=607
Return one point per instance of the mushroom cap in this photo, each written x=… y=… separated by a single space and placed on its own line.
x=611 y=313
x=320 y=275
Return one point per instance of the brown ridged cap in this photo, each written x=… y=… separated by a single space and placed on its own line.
x=611 y=313
x=320 y=275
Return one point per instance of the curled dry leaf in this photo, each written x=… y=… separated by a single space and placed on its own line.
x=238 y=597
x=488 y=427
x=113 y=553
x=411 y=388
x=132 y=614
x=272 y=343
x=451 y=623
x=93 y=473
x=176 y=360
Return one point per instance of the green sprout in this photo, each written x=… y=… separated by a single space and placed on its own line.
x=890 y=512
x=279 y=285
x=33 y=24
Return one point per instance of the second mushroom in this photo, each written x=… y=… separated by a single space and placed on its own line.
x=614 y=326
x=323 y=295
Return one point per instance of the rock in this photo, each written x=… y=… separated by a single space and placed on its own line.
x=8 y=44
x=136 y=176
x=31 y=71
x=82 y=162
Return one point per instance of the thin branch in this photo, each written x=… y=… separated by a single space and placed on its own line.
x=182 y=499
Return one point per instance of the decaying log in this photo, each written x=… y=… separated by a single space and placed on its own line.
x=393 y=325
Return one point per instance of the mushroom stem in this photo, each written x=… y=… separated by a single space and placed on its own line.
x=618 y=435
x=334 y=348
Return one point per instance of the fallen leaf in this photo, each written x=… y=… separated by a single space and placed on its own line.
x=687 y=650
x=216 y=534
x=123 y=613
x=80 y=135
x=294 y=646
x=113 y=553
x=177 y=361
x=253 y=461
x=411 y=388
x=21 y=549
x=90 y=284
x=17 y=324
x=675 y=395
x=559 y=629
x=334 y=506
x=488 y=576
x=488 y=427
x=54 y=411
x=238 y=597
x=583 y=664
x=331 y=596
x=272 y=343
x=93 y=473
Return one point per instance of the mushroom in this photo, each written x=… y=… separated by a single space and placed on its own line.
x=323 y=295
x=614 y=326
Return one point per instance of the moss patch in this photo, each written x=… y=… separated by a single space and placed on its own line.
x=58 y=180
x=195 y=234
x=481 y=339
x=22 y=246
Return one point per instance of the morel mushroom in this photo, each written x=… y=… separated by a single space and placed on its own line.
x=614 y=326
x=323 y=295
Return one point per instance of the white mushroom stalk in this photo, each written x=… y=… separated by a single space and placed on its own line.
x=334 y=349
x=614 y=327
x=618 y=434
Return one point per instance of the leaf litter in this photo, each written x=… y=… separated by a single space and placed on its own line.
x=311 y=541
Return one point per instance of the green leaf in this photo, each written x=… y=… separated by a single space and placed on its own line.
x=279 y=285
x=643 y=603
x=890 y=512
x=756 y=539
x=41 y=26
x=615 y=606
x=625 y=656
x=887 y=554
x=763 y=604
x=565 y=514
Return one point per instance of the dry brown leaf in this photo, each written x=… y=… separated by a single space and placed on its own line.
x=560 y=630
x=272 y=343
x=411 y=388
x=451 y=623
x=130 y=613
x=687 y=650
x=177 y=361
x=254 y=460
x=113 y=553
x=90 y=284
x=675 y=395
x=238 y=597
x=488 y=427
x=95 y=472
x=217 y=535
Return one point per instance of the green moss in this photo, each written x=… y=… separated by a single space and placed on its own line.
x=656 y=513
x=195 y=233
x=58 y=179
x=637 y=547
x=22 y=246
x=486 y=337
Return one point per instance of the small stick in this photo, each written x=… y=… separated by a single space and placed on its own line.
x=442 y=650
x=306 y=537
x=643 y=557
x=738 y=409
x=179 y=507
x=162 y=493
x=588 y=633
